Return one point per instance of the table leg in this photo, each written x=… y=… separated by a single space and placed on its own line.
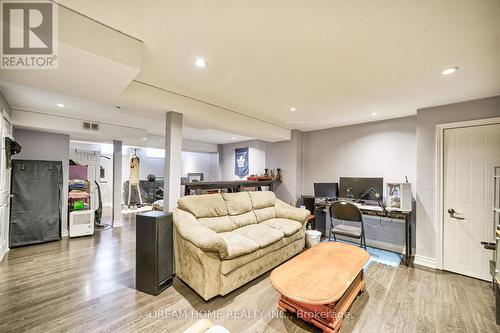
x=407 y=239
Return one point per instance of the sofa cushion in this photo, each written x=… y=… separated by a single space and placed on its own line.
x=237 y=244
x=237 y=203
x=206 y=205
x=244 y=219
x=285 y=211
x=282 y=243
x=288 y=227
x=229 y=265
x=261 y=234
x=262 y=199
x=217 y=224
x=263 y=214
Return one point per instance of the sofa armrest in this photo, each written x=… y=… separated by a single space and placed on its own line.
x=203 y=238
x=284 y=210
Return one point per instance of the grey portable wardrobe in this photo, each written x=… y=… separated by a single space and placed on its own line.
x=35 y=210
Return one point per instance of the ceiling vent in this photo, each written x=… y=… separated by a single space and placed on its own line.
x=90 y=126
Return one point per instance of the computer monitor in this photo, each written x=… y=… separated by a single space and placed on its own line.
x=326 y=190
x=359 y=186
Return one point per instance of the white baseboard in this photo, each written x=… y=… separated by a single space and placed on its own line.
x=425 y=261
x=65 y=232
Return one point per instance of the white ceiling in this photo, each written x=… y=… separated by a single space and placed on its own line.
x=39 y=101
x=335 y=61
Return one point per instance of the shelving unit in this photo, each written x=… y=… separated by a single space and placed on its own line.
x=80 y=219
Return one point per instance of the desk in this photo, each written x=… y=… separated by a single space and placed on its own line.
x=369 y=210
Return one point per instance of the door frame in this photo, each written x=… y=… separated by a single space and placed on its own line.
x=440 y=128
x=4 y=243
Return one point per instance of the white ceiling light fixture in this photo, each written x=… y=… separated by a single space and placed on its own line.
x=60 y=105
x=373 y=114
x=293 y=109
x=200 y=62
x=234 y=138
x=450 y=70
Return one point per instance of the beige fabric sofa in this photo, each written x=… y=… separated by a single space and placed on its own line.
x=222 y=241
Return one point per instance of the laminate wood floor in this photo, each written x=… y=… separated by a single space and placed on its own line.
x=87 y=285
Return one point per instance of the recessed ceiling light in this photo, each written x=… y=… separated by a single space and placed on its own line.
x=293 y=109
x=200 y=62
x=373 y=113
x=60 y=105
x=234 y=138
x=450 y=70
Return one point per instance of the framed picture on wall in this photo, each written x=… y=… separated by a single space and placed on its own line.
x=195 y=177
x=241 y=162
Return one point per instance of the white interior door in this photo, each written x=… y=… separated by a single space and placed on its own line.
x=470 y=155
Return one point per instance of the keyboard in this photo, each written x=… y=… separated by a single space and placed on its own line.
x=370 y=207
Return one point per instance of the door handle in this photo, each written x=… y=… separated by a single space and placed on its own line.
x=453 y=213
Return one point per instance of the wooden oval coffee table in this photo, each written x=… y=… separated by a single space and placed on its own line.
x=321 y=284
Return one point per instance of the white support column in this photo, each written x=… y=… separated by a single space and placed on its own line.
x=173 y=160
x=117 y=184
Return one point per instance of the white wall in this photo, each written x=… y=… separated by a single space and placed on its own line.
x=201 y=162
x=147 y=166
x=380 y=149
x=207 y=163
x=191 y=162
x=47 y=146
x=256 y=158
x=288 y=156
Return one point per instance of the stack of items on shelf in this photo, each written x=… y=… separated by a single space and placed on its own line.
x=78 y=194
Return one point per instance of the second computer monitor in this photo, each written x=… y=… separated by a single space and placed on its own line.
x=326 y=190
x=351 y=187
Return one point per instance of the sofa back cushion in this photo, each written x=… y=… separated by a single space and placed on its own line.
x=237 y=203
x=218 y=223
x=263 y=204
x=206 y=205
x=239 y=207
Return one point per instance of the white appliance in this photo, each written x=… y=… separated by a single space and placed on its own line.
x=399 y=196
x=81 y=223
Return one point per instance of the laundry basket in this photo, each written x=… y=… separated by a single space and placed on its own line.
x=312 y=238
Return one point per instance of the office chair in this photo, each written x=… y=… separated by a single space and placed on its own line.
x=346 y=211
